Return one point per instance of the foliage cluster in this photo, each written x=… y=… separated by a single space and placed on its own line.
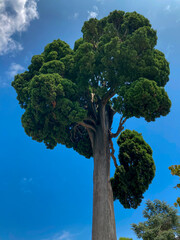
x=123 y=238
x=162 y=222
x=136 y=170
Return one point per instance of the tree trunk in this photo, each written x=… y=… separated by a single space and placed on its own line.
x=103 y=207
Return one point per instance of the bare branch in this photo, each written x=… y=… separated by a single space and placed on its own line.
x=120 y=128
x=87 y=126
x=112 y=152
x=91 y=120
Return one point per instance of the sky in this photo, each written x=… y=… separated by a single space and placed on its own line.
x=47 y=194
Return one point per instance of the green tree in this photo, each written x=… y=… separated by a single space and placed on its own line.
x=175 y=170
x=71 y=96
x=162 y=222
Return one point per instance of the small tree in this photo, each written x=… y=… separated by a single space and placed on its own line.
x=71 y=96
x=162 y=222
x=123 y=238
x=175 y=170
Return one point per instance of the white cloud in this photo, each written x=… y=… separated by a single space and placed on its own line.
x=15 y=16
x=9 y=75
x=61 y=236
x=94 y=13
x=67 y=235
x=14 y=69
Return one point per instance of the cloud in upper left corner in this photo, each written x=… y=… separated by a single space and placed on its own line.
x=15 y=17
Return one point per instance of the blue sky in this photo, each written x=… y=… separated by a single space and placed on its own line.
x=47 y=195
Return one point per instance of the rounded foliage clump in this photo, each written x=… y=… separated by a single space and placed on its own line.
x=51 y=101
x=145 y=99
x=52 y=105
x=136 y=172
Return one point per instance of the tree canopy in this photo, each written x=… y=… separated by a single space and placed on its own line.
x=114 y=64
x=162 y=222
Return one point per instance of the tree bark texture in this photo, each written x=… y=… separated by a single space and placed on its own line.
x=103 y=207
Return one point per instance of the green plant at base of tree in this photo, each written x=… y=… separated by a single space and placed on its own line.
x=123 y=238
x=162 y=222
x=70 y=97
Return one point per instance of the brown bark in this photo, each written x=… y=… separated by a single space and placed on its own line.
x=103 y=207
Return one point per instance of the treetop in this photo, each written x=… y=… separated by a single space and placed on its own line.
x=115 y=64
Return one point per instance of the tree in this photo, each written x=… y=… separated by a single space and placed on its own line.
x=162 y=222
x=71 y=96
x=175 y=170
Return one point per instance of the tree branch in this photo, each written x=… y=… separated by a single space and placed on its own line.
x=112 y=152
x=87 y=126
x=120 y=128
x=91 y=120
x=91 y=105
x=107 y=97
x=91 y=136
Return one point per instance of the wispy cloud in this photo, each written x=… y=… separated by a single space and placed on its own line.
x=61 y=236
x=15 y=16
x=76 y=15
x=25 y=185
x=14 y=69
x=168 y=8
x=9 y=75
x=100 y=1
x=169 y=51
x=94 y=13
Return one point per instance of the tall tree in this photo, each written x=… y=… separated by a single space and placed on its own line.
x=162 y=222
x=71 y=96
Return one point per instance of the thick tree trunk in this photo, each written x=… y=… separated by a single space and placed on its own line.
x=103 y=207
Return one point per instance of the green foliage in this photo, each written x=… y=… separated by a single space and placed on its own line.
x=62 y=88
x=145 y=99
x=162 y=222
x=53 y=66
x=137 y=169
x=123 y=238
x=52 y=108
x=175 y=170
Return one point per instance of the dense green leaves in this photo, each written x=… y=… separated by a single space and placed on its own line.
x=137 y=169
x=53 y=66
x=56 y=50
x=115 y=58
x=123 y=238
x=52 y=108
x=123 y=44
x=145 y=99
x=162 y=222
